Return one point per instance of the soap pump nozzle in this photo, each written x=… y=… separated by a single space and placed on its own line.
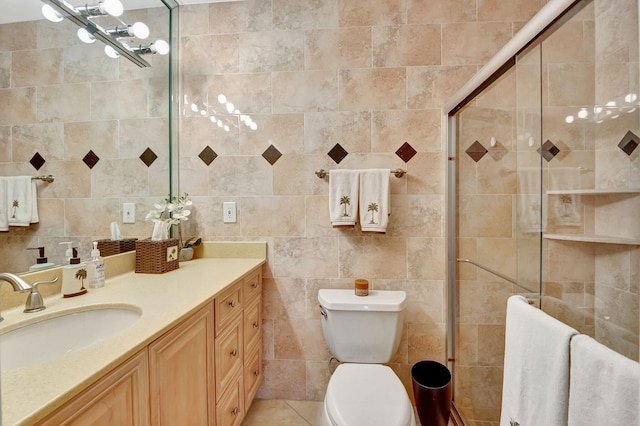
x=69 y=253
x=41 y=258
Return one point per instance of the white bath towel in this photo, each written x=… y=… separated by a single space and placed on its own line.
x=22 y=201
x=603 y=386
x=4 y=213
x=375 y=205
x=535 y=387
x=343 y=197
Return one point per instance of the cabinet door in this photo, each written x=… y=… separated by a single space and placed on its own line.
x=181 y=373
x=119 y=398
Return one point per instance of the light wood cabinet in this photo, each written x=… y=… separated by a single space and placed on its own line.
x=119 y=398
x=182 y=372
x=204 y=371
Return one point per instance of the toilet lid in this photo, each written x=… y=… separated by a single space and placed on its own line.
x=367 y=394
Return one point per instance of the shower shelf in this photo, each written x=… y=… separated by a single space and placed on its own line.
x=594 y=191
x=593 y=239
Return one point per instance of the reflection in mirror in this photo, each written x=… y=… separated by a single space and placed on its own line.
x=99 y=126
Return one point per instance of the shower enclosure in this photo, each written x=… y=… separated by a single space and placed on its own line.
x=544 y=191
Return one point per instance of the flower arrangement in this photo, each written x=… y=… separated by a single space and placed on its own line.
x=168 y=212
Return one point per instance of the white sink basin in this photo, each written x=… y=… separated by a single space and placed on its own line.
x=63 y=333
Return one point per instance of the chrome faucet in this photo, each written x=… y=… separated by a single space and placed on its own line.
x=16 y=282
x=34 y=301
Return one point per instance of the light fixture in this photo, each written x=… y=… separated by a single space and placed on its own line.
x=51 y=14
x=111 y=52
x=104 y=7
x=160 y=47
x=138 y=30
x=85 y=36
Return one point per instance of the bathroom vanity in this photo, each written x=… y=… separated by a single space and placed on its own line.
x=193 y=357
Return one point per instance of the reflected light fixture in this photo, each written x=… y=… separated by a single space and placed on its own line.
x=138 y=30
x=85 y=36
x=51 y=14
x=111 y=52
x=160 y=47
x=104 y=7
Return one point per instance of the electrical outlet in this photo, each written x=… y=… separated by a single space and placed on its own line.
x=229 y=211
x=128 y=212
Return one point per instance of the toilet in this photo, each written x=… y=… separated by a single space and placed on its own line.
x=363 y=333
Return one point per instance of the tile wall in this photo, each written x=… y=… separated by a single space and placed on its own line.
x=368 y=76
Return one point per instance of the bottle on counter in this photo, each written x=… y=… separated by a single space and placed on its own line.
x=95 y=268
x=73 y=276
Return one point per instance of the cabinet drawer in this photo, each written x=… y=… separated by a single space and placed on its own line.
x=252 y=287
x=252 y=323
x=252 y=374
x=229 y=356
x=228 y=307
x=230 y=409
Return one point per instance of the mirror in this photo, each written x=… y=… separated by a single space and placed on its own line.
x=100 y=126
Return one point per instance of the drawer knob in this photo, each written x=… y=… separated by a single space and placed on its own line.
x=234 y=352
x=255 y=324
x=232 y=304
x=254 y=285
x=235 y=411
x=256 y=373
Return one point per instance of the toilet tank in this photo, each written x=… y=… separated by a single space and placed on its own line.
x=362 y=329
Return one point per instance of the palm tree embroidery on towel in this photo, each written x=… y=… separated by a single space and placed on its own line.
x=347 y=202
x=15 y=206
x=373 y=207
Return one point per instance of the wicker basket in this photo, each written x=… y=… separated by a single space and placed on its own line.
x=156 y=257
x=111 y=247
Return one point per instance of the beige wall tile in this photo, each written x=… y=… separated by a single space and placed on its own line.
x=406 y=45
x=203 y=54
x=426 y=258
x=473 y=42
x=68 y=102
x=45 y=138
x=86 y=216
x=237 y=176
x=118 y=100
x=370 y=89
x=351 y=129
x=306 y=257
x=435 y=12
x=194 y=19
x=338 y=48
x=249 y=93
x=278 y=216
x=420 y=128
x=377 y=12
x=315 y=90
x=487 y=216
x=18 y=36
x=285 y=131
x=297 y=338
x=366 y=257
x=517 y=10
x=432 y=86
x=121 y=177
x=36 y=67
x=283 y=379
x=271 y=51
x=5 y=70
x=98 y=136
x=22 y=102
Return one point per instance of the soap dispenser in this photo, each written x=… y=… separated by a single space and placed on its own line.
x=41 y=262
x=73 y=276
x=96 y=268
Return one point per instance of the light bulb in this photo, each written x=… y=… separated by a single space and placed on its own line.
x=253 y=126
x=583 y=113
x=229 y=107
x=226 y=128
x=112 y=7
x=222 y=99
x=139 y=30
x=51 y=14
x=111 y=52
x=160 y=47
x=203 y=113
x=85 y=36
x=220 y=124
x=569 y=119
x=194 y=107
x=212 y=118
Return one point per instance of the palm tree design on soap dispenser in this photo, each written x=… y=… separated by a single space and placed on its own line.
x=346 y=201
x=81 y=275
x=373 y=207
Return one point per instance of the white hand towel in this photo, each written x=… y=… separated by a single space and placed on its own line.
x=22 y=201
x=343 y=197
x=375 y=205
x=4 y=212
x=604 y=385
x=535 y=387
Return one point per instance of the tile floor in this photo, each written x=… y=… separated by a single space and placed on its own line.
x=268 y=412
x=271 y=412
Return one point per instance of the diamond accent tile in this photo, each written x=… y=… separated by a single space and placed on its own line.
x=37 y=161
x=148 y=157
x=91 y=159
x=207 y=155
x=272 y=154
x=476 y=151
x=629 y=143
x=337 y=153
x=406 y=152
x=548 y=150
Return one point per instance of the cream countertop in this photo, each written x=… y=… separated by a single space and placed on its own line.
x=30 y=393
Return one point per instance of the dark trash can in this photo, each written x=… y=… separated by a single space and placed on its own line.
x=432 y=392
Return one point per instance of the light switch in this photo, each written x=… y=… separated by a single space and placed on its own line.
x=229 y=211
x=129 y=213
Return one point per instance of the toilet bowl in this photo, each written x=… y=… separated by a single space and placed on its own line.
x=366 y=394
x=363 y=333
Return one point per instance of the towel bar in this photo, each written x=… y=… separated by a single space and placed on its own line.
x=48 y=178
x=322 y=173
